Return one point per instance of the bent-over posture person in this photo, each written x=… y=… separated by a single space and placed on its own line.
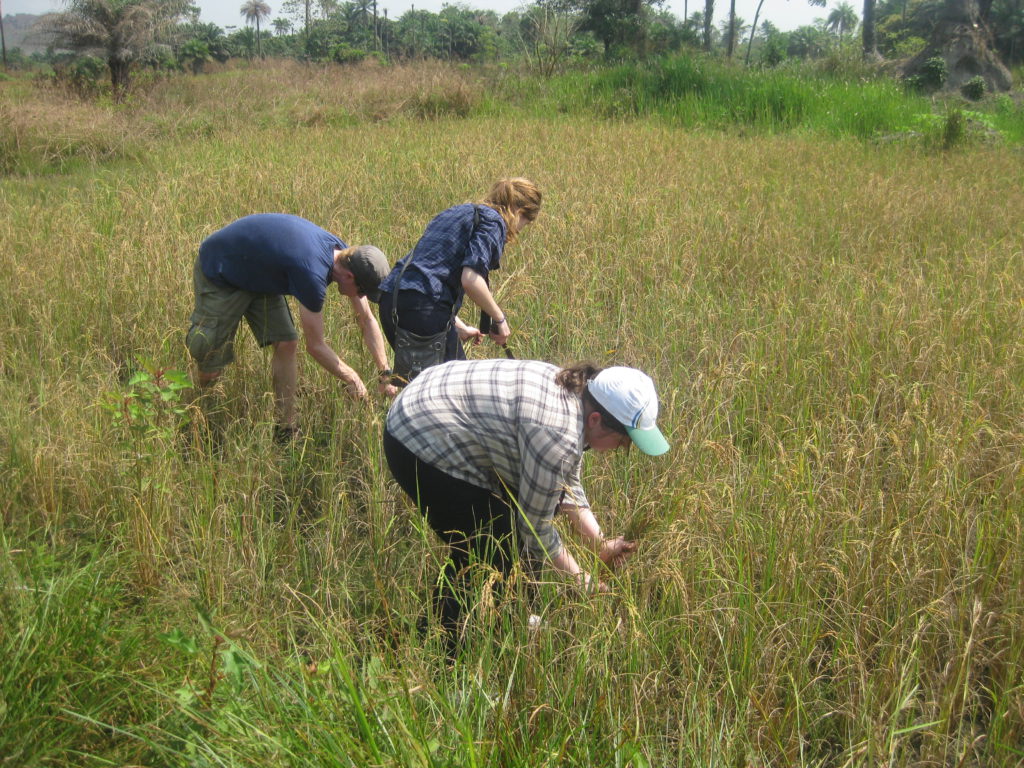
x=458 y=250
x=246 y=269
x=464 y=435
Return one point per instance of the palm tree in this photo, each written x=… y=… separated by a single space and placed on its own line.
x=869 y=40
x=842 y=20
x=730 y=30
x=282 y=26
x=709 y=13
x=120 y=31
x=358 y=13
x=195 y=53
x=3 y=40
x=753 y=29
x=736 y=28
x=255 y=11
x=757 y=13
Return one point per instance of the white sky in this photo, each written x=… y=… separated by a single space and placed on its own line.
x=784 y=14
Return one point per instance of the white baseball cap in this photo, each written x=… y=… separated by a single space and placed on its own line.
x=628 y=395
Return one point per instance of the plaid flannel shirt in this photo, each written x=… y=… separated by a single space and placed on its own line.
x=499 y=424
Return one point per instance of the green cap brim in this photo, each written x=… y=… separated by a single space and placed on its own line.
x=650 y=441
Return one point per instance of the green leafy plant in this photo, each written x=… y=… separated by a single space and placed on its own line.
x=151 y=407
x=1004 y=104
x=82 y=76
x=974 y=89
x=195 y=54
x=226 y=661
x=344 y=53
x=931 y=76
x=954 y=129
x=908 y=47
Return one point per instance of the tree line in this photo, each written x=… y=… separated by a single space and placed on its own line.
x=120 y=36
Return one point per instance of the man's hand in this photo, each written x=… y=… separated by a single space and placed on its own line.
x=386 y=388
x=614 y=552
x=356 y=388
x=591 y=584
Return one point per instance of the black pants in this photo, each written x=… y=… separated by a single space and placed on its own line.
x=469 y=519
x=422 y=315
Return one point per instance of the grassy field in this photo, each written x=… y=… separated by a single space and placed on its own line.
x=830 y=569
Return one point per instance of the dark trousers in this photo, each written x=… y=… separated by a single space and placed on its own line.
x=422 y=315
x=472 y=521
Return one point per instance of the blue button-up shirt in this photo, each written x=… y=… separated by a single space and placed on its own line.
x=441 y=254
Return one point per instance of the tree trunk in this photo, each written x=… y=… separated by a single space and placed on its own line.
x=963 y=39
x=753 y=29
x=709 y=12
x=120 y=78
x=731 y=44
x=637 y=35
x=3 y=40
x=868 y=38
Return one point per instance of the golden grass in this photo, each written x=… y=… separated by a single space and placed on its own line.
x=44 y=130
x=830 y=569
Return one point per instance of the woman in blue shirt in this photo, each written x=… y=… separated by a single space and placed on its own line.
x=453 y=258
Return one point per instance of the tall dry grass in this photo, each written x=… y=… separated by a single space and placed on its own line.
x=829 y=571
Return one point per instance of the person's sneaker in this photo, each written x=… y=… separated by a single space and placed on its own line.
x=285 y=435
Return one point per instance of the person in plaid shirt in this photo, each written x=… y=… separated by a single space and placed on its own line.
x=490 y=450
x=453 y=258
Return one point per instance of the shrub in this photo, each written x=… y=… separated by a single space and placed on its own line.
x=1004 y=104
x=933 y=73
x=974 y=89
x=773 y=52
x=954 y=130
x=195 y=54
x=84 y=76
x=450 y=100
x=913 y=83
x=346 y=54
x=848 y=65
x=908 y=47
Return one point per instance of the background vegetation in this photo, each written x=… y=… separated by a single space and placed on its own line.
x=830 y=569
x=549 y=35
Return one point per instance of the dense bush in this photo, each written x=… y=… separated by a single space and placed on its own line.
x=346 y=54
x=974 y=89
x=933 y=74
x=85 y=75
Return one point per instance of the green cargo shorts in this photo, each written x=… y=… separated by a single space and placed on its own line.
x=218 y=310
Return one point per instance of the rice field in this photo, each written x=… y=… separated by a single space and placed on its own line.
x=829 y=571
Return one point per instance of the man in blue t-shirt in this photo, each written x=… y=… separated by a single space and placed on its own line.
x=246 y=269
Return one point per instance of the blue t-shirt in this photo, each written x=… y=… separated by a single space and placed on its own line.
x=441 y=254
x=274 y=253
